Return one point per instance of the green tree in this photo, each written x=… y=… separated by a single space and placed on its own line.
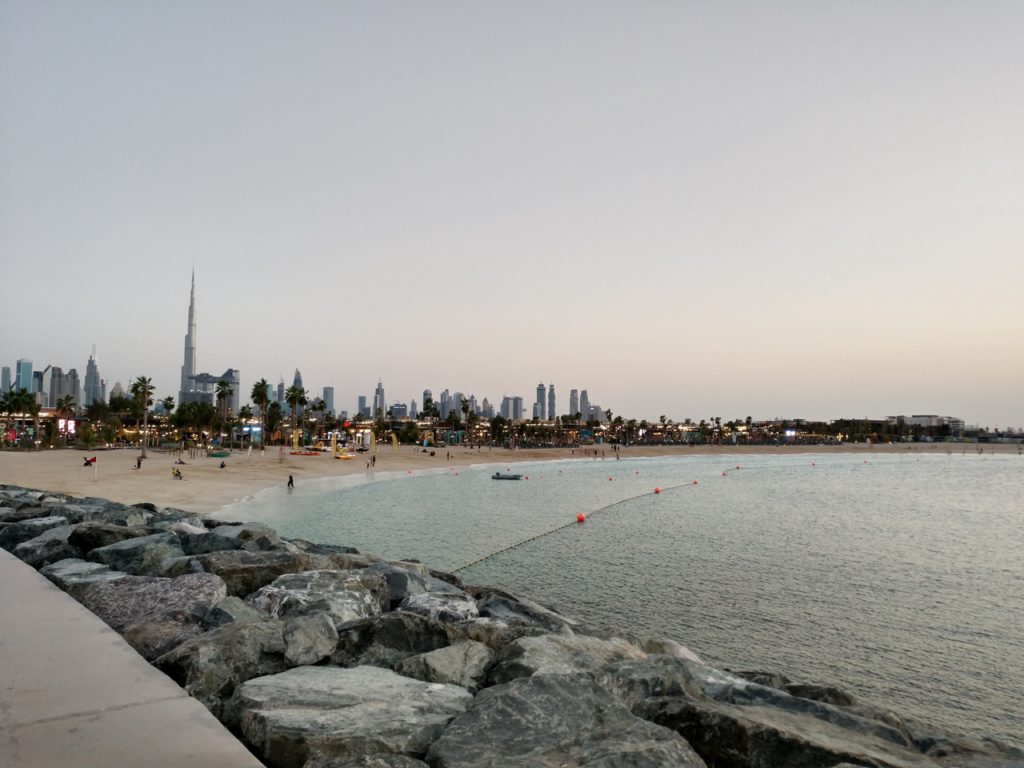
x=66 y=410
x=296 y=398
x=273 y=417
x=142 y=393
x=260 y=397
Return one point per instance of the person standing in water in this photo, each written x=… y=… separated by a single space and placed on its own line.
x=291 y=482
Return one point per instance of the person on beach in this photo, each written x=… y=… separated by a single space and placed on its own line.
x=291 y=482
x=223 y=464
x=138 y=463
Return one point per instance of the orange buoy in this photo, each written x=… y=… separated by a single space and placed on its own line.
x=657 y=490
x=580 y=517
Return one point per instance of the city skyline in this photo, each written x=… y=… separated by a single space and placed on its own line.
x=802 y=210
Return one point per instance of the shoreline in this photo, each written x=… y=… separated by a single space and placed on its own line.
x=206 y=488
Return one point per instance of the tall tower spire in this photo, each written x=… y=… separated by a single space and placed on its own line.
x=188 y=369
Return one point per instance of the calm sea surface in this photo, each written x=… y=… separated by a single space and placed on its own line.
x=899 y=578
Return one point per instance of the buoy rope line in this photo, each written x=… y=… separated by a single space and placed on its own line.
x=568 y=525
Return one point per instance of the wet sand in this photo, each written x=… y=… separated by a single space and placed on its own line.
x=206 y=487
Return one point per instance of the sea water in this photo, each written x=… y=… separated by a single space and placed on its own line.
x=897 y=577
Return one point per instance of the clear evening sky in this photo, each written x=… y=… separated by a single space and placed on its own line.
x=794 y=209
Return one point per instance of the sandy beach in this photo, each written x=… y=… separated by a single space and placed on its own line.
x=206 y=487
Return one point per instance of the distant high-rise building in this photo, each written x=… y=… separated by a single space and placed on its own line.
x=23 y=375
x=473 y=407
x=93 y=384
x=297 y=380
x=574 y=402
x=584 y=404
x=506 y=407
x=117 y=390
x=379 y=403
x=541 y=402
x=427 y=395
x=412 y=409
x=551 y=402
x=399 y=410
x=62 y=385
x=280 y=392
x=328 y=398
x=457 y=399
x=5 y=379
x=364 y=409
x=486 y=409
x=444 y=407
x=188 y=367
x=517 y=409
x=41 y=386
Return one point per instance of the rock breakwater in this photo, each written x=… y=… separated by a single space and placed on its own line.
x=318 y=656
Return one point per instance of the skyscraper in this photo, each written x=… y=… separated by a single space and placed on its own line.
x=363 y=408
x=541 y=403
x=62 y=384
x=574 y=402
x=427 y=395
x=551 y=402
x=23 y=375
x=5 y=379
x=517 y=408
x=379 y=403
x=328 y=398
x=93 y=386
x=584 y=404
x=188 y=368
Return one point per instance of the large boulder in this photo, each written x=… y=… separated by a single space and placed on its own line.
x=463 y=664
x=734 y=723
x=141 y=556
x=344 y=595
x=309 y=639
x=19 y=511
x=558 y=654
x=211 y=665
x=94 y=534
x=254 y=537
x=403 y=579
x=118 y=514
x=320 y=712
x=245 y=572
x=230 y=610
x=74 y=575
x=497 y=605
x=154 y=615
x=385 y=640
x=15 y=533
x=450 y=606
x=48 y=547
x=493 y=633
x=556 y=720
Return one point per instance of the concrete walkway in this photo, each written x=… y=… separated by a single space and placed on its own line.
x=73 y=693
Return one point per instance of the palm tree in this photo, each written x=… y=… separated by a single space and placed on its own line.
x=142 y=391
x=244 y=415
x=260 y=397
x=296 y=398
x=464 y=407
x=66 y=410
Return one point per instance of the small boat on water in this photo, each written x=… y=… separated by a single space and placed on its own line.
x=503 y=476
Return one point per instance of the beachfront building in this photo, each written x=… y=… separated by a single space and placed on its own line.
x=95 y=387
x=551 y=402
x=328 y=398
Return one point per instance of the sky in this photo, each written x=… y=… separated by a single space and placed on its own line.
x=787 y=209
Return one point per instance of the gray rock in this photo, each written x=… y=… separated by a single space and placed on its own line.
x=141 y=556
x=232 y=610
x=15 y=533
x=210 y=666
x=556 y=720
x=513 y=610
x=48 y=547
x=23 y=511
x=311 y=712
x=732 y=722
x=94 y=534
x=464 y=664
x=119 y=514
x=205 y=542
x=558 y=654
x=402 y=580
x=154 y=615
x=74 y=575
x=254 y=537
x=245 y=572
x=385 y=640
x=323 y=549
x=309 y=639
x=365 y=761
x=443 y=606
x=493 y=633
x=344 y=595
